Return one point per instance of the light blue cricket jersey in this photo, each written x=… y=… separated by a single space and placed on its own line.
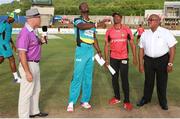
x=7 y=28
x=86 y=36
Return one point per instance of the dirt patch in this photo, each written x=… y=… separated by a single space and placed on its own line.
x=146 y=111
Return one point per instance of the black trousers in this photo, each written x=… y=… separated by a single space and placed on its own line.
x=122 y=67
x=156 y=68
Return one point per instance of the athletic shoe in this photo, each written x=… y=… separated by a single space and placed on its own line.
x=114 y=101
x=70 y=107
x=86 y=105
x=128 y=106
x=17 y=80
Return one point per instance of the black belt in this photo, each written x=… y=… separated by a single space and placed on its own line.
x=157 y=57
x=36 y=61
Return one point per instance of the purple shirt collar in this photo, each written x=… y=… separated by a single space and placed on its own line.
x=30 y=29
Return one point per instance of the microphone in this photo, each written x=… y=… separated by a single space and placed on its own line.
x=44 y=35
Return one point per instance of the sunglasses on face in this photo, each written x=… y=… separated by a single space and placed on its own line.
x=37 y=17
x=151 y=19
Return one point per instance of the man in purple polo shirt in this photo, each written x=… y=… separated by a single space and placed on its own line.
x=29 y=50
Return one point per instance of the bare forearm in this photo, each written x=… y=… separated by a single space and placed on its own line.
x=171 y=54
x=106 y=51
x=133 y=49
x=141 y=55
x=85 y=26
x=96 y=46
x=12 y=43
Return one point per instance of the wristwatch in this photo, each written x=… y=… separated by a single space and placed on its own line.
x=170 y=64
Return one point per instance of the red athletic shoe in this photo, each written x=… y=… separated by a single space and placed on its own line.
x=128 y=106
x=114 y=101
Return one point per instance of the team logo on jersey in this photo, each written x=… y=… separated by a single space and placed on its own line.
x=89 y=33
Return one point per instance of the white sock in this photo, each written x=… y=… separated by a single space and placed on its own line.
x=15 y=75
x=71 y=104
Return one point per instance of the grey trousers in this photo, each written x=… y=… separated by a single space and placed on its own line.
x=29 y=91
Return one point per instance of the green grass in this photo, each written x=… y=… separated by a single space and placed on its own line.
x=56 y=73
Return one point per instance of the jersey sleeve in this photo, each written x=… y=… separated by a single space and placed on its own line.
x=22 y=42
x=171 y=41
x=77 y=21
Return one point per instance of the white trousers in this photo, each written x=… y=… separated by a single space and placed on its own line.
x=29 y=91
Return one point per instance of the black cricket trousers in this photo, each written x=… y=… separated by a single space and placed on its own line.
x=156 y=68
x=122 y=67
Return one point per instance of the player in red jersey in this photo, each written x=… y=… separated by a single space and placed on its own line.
x=140 y=30
x=116 y=41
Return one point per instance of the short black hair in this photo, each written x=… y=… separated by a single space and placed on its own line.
x=81 y=5
x=116 y=13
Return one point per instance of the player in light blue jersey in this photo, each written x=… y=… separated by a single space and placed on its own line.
x=85 y=32
x=5 y=45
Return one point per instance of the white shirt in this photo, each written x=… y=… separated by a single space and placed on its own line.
x=157 y=44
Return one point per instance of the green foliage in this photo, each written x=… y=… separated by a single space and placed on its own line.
x=23 y=5
x=106 y=7
x=97 y=7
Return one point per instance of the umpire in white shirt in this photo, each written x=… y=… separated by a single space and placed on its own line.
x=157 y=49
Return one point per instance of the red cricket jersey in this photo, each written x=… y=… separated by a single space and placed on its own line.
x=118 y=41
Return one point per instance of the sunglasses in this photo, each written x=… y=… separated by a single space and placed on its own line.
x=37 y=17
x=151 y=19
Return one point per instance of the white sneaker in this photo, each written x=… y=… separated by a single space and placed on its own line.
x=17 y=80
x=86 y=105
x=70 y=107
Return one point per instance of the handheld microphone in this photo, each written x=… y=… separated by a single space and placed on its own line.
x=44 y=34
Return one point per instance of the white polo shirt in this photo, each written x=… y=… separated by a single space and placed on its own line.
x=157 y=44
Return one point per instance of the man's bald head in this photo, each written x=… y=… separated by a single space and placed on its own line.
x=154 y=21
x=154 y=16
